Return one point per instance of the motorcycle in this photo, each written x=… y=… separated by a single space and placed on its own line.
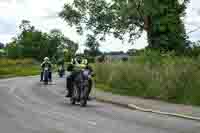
x=81 y=89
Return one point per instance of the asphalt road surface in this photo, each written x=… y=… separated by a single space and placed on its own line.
x=27 y=106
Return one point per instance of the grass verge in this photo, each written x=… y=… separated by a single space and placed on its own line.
x=169 y=78
x=14 y=68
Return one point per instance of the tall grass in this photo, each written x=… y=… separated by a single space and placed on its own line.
x=169 y=78
x=7 y=62
x=19 y=67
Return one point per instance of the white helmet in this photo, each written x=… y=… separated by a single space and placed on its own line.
x=46 y=59
x=85 y=61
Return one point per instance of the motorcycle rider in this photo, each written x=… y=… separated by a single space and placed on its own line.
x=46 y=63
x=76 y=65
x=89 y=68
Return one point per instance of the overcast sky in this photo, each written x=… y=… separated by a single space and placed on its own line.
x=43 y=15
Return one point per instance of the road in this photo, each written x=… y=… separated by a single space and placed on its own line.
x=27 y=106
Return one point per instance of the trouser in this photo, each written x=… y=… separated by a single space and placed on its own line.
x=90 y=86
x=69 y=84
x=50 y=76
x=42 y=76
x=70 y=80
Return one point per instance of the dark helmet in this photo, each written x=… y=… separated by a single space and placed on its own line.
x=79 y=60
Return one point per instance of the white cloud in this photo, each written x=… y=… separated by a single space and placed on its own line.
x=43 y=15
x=192 y=19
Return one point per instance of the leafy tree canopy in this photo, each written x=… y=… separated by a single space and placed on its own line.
x=129 y=18
x=33 y=43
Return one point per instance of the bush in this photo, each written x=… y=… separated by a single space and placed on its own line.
x=101 y=59
x=166 y=77
x=125 y=59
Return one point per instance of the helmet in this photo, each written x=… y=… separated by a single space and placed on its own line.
x=79 y=60
x=46 y=59
x=85 y=61
x=73 y=61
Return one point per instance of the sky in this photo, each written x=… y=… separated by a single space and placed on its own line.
x=43 y=14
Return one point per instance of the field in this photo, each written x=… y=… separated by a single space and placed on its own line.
x=19 y=67
x=170 y=78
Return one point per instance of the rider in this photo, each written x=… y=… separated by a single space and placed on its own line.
x=47 y=63
x=89 y=68
x=76 y=65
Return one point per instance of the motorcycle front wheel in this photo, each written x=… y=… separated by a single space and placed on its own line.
x=72 y=101
x=83 y=102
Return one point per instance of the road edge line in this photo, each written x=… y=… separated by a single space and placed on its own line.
x=135 y=107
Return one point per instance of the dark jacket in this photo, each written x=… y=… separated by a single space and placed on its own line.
x=46 y=64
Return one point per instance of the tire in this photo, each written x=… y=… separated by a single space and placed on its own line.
x=84 y=95
x=75 y=93
x=45 y=82
x=72 y=101
x=83 y=102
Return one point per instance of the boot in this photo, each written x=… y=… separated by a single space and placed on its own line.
x=41 y=77
x=69 y=87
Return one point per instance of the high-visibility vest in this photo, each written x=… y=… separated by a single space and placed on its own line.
x=84 y=61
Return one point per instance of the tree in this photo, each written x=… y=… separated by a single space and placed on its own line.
x=1 y=45
x=56 y=41
x=12 y=50
x=71 y=45
x=93 y=46
x=131 y=52
x=161 y=19
x=32 y=43
x=66 y=48
x=194 y=50
x=26 y=26
x=2 y=53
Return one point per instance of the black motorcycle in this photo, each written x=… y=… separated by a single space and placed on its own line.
x=81 y=88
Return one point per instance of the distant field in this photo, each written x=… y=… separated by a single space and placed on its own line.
x=19 y=67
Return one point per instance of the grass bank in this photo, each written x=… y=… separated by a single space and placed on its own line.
x=19 y=67
x=169 y=78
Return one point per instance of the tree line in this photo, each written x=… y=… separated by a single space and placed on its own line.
x=33 y=43
x=122 y=19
